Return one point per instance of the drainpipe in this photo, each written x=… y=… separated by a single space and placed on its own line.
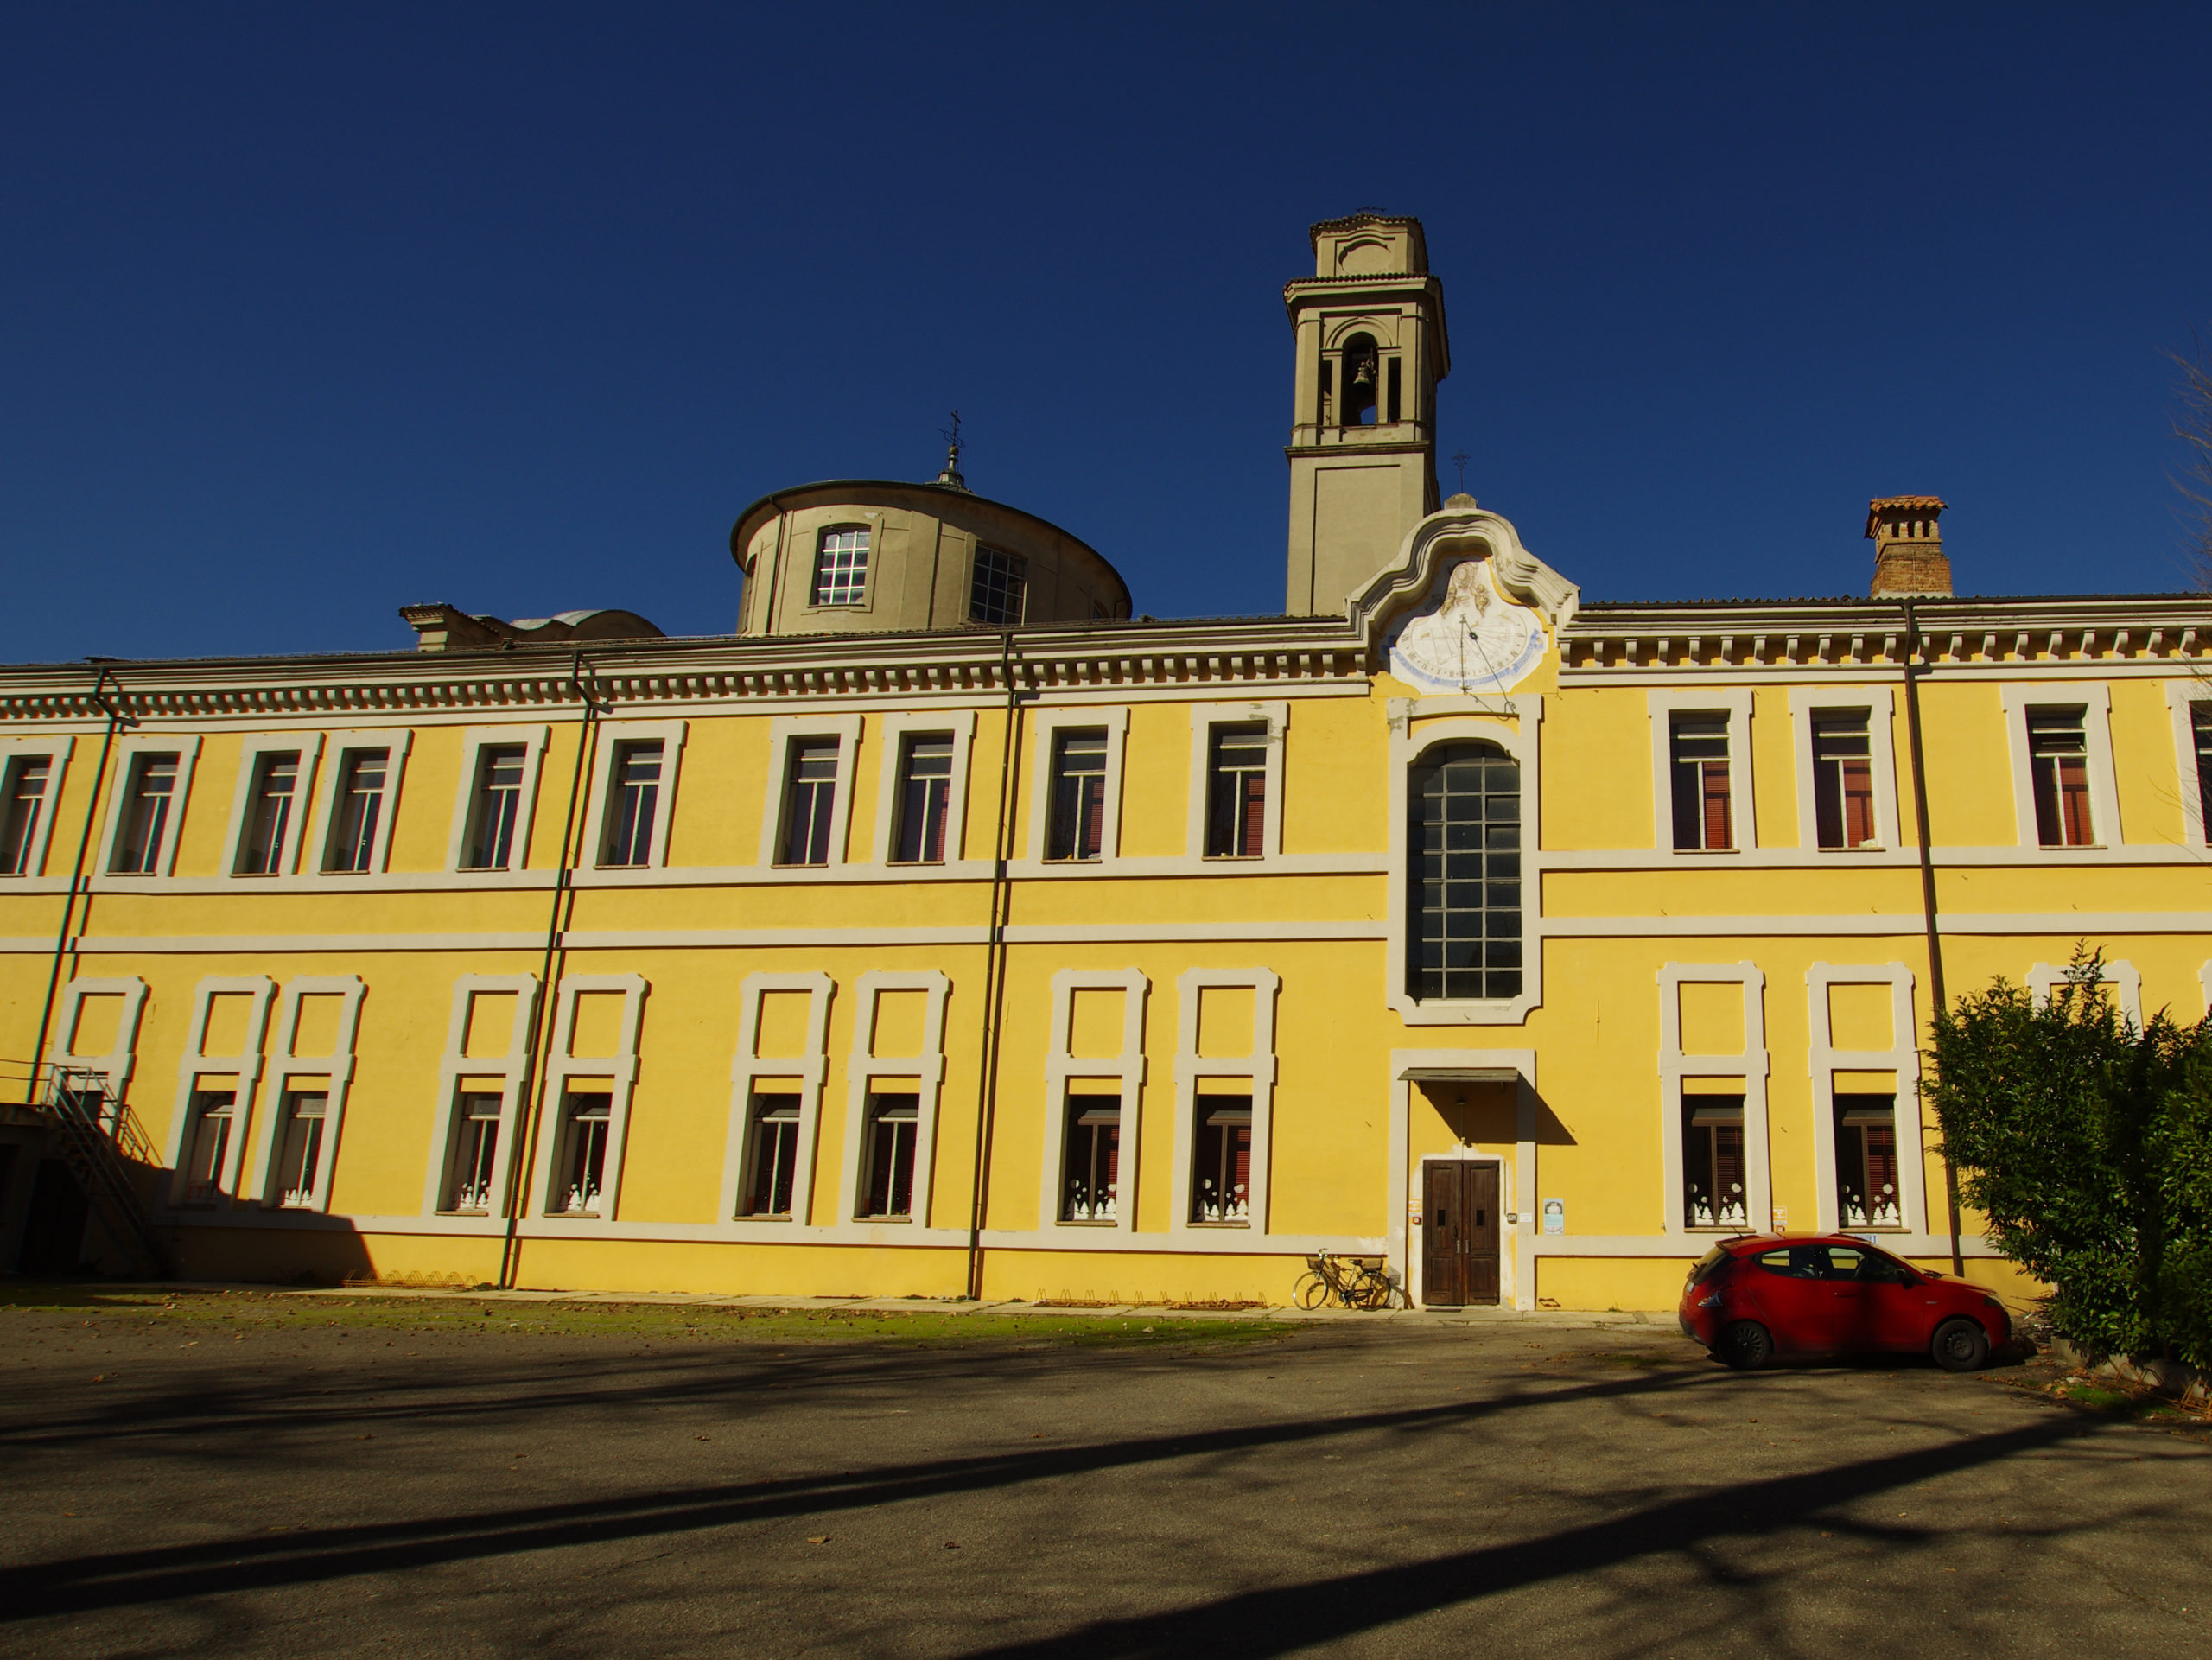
x=555 y=951
x=114 y=718
x=1913 y=669
x=987 y=1089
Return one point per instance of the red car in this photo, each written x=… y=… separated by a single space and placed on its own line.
x=1751 y=1298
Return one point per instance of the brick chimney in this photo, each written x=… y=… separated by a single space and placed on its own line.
x=1909 y=562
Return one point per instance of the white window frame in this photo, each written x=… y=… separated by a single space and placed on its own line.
x=1275 y=712
x=862 y=1071
x=510 y=1069
x=1880 y=705
x=1049 y=723
x=2182 y=697
x=474 y=741
x=891 y=732
x=186 y=747
x=1751 y=1066
x=810 y=1068
x=287 y=1064
x=1902 y=1057
x=55 y=752
x=612 y=735
x=1516 y=733
x=1127 y=1070
x=343 y=745
x=308 y=747
x=2095 y=699
x=563 y=1069
x=195 y=1064
x=873 y=525
x=1257 y=1068
x=2124 y=978
x=115 y=1064
x=782 y=731
x=1736 y=703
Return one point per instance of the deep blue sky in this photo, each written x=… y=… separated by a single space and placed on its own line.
x=307 y=312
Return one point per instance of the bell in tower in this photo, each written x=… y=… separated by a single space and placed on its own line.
x=1370 y=341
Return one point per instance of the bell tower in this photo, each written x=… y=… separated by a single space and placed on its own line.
x=1372 y=346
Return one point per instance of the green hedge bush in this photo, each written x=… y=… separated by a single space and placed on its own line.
x=2087 y=1145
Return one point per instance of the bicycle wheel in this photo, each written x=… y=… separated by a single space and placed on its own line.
x=1371 y=1290
x=1311 y=1291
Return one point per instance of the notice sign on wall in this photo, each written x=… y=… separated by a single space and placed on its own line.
x=1554 y=1216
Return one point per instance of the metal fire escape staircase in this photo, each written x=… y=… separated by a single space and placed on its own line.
x=95 y=1136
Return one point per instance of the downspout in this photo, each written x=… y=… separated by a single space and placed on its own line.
x=556 y=925
x=1912 y=669
x=987 y=1088
x=115 y=719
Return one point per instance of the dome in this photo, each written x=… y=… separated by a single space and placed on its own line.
x=858 y=556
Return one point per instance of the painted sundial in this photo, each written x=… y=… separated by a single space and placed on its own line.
x=1465 y=635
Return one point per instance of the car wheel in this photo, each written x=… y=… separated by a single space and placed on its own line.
x=1960 y=1345
x=1746 y=1345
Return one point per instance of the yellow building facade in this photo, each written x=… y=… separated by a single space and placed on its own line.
x=1527 y=942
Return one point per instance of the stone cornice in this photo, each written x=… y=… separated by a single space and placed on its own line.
x=2073 y=630
x=631 y=676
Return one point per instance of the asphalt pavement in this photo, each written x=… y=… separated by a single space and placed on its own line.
x=1385 y=1489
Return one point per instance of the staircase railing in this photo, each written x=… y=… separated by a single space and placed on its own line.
x=98 y=1138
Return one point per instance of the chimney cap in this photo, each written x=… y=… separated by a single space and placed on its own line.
x=1881 y=504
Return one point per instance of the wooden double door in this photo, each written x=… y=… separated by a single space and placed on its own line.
x=1459 y=1232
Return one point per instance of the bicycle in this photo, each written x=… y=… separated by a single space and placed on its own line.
x=1354 y=1281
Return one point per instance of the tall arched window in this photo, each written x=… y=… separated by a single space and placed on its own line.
x=1462 y=841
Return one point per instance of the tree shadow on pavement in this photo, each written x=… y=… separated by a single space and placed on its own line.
x=1261 y=1623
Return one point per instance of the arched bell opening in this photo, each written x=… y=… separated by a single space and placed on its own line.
x=1363 y=381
